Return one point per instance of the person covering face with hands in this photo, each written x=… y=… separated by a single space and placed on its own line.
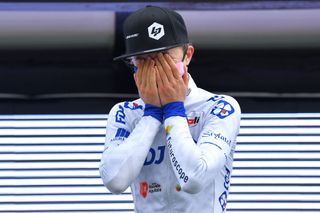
x=159 y=80
x=174 y=146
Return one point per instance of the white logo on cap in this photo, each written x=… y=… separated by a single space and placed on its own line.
x=156 y=31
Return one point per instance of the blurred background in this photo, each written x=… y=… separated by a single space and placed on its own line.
x=58 y=82
x=56 y=56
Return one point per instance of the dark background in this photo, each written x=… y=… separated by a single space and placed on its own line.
x=86 y=80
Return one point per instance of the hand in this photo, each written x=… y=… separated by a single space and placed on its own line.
x=146 y=83
x=171 y=86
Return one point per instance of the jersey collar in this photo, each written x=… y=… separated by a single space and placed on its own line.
x=193 y=91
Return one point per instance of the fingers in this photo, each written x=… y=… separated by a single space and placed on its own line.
x=165 y=67
x=151 y=75
x=162 y=74
x=158 y=78
x=159 y=84
x=145 y=72
x=139 y=73
x=172 y=66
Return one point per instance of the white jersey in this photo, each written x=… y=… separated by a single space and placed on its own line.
x=181 y=165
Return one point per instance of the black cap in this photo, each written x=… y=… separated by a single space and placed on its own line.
x=153 y=29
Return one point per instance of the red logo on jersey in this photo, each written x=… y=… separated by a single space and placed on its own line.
x=144 y=189
x=193 y=121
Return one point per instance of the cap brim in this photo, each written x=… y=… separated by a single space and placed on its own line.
x=146 y=52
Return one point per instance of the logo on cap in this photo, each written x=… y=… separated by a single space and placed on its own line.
x=156 y=31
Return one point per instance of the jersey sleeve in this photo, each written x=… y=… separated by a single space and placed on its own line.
x=221 y=126
x=118 y=127
x=196 y=163
x=126 y=147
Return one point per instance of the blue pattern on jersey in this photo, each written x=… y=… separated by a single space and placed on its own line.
x=121 y=132
x=222 y=109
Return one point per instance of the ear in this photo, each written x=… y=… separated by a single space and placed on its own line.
x=189 y=55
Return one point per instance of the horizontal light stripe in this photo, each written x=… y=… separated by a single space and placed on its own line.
x=259 y=170
x=280 y=115
x=66 y=198
x=271 y=205
x=52 y=148
x=48 y=165
x=76 y=206
x=278 y=147
x=272 y=197
x=259 y=165
x=275 y=130
x=53 y=132
x=55 y=116
x=53 y=123
x=281 y=122
x=55 y=190
x=51 y=140
x=287 y=139
x=277 y=155
x=75 y=156
x=35 y=174
x=276 y=189
x=275 y=180
x=51 y=182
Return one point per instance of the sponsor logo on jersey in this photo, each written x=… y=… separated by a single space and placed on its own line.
x=217 y=136
x=178 y=187
x=193 y=118
x=177 y=167
x=120 y=116
x=132 y=105
x=223 y=200
x=146 y=188
x=193 y=121
x=168 y=129
x=222 y=109
x=155 y=156
x=121 y=134
x=154 y=187
x=223 y=197
x=216 y=97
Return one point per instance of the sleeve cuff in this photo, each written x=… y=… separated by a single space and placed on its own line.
x=153 y=111
x=174 y=109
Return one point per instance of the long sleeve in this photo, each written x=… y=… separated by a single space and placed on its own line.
x=196 y=163
x=125 y=152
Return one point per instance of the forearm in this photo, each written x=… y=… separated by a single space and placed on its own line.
x=120 y=165
x=191 y=164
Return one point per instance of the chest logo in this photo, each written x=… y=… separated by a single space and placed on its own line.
x=144 y=189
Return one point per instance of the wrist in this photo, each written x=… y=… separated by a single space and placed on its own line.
x=174 y=109
x=153 y=111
